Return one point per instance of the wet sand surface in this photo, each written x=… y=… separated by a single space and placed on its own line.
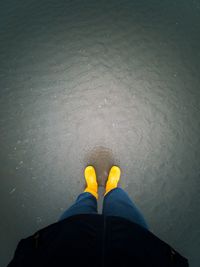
x=101 y=83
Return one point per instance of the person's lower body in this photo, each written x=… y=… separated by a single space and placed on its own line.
x=116 y=203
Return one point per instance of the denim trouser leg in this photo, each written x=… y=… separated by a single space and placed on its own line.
x=118 y=203
x=85 y=203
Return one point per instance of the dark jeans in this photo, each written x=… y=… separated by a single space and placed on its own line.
x=116 y=203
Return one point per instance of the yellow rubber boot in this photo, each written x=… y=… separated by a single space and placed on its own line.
x=91 y=180
x=113 y=179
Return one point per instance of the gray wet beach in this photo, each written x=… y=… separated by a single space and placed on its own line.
x=101 y=83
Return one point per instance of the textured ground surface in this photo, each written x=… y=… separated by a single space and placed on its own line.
x=100 y=82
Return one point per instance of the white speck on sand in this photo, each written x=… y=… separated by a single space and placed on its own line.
x=20 y=165
x=38 y=219
x=12 y=191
